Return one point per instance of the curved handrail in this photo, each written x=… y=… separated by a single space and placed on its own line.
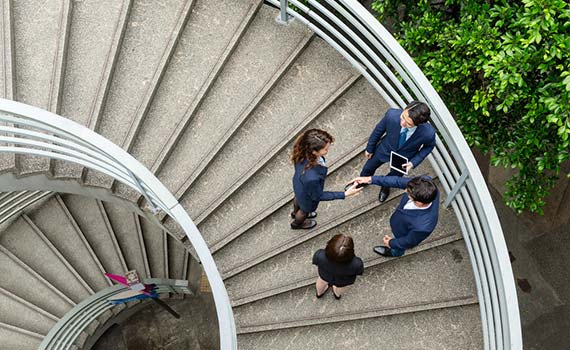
x=76 y=321
x=78 y=144
x=349 y=28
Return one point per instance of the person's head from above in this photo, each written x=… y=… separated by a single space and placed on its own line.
x=414 y=114
x=340 y=248
x=421 y=190
x=311 y=145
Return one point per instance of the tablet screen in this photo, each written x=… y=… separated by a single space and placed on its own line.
x=396 y=162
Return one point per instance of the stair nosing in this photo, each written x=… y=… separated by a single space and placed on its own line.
x=28 y=304
x=22 y=331
x=59 y=61
x=374 y=313
x=267 y=157
x=142 y=245
x=8 y=58
x=167 y=149
x=112 y=235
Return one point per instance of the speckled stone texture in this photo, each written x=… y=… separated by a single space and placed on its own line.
x=208 y=34
x=155 y=244
x=25 y=243
x=366 y=230
x=54 y=222
x=21 y=315
x=14 y=340
x=96 y=230
x=446 y=329
x=176 y=259
x=274 y=180
x=306 y=86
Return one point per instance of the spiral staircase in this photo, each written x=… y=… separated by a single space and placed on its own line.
x=210 y=95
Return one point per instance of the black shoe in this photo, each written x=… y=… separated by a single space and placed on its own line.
x=311 y=215
x=384 y=193
x=306 y=225
x=383 y=250
x=348 y=185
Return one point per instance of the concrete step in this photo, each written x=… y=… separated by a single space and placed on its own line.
x=94 y=45
x=273 y=275
x=447 y=328
x=317 y=75
x=30 y=245
x=272 y=183
x=19 y=313
x=435 y=276
x=22 y=281
x=8 y=81
x=124 y=224
x=98 y=231
x=177 y=259
x=149 y=40
x=273 y=234
x=156 y=248
x=264 y=53
x=207 y=42
x=40 y=49
x=14 y=338
x=56 y=222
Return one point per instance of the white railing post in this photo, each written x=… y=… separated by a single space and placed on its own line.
x=284 y=18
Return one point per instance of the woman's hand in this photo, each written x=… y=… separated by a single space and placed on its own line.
x=352 y=190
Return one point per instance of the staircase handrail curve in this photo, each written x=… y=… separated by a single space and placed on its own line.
x=354 y=32
x=124 y=168
x=77 y=320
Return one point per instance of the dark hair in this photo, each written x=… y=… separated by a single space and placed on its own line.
x=422 y=189
x=309 y=141
x=418 y=112
x=340 y=248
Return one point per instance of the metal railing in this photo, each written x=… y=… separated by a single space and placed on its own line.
x=75 y=322
x=362 y=40
x=12 y=203
x=34 y=131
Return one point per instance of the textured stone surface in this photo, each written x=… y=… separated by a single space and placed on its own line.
x=55 y=224
x=318 y=73
x=18 y=314
x=95 y=230
x=123 y=223
x=274 y=180
x=22 y=283
x=155 y=248
x=176 y=258
x=430 y=276
x=275 y=232
x=13 y=340
x=446 y=329
x=208 y=33
x=23 y=242
x=366 y=230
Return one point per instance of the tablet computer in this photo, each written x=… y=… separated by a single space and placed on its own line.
x=396 y=162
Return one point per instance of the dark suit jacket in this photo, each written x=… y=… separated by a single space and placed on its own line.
x=416 y=148
x=410 y=227
x=337 y=274
x=308 y=186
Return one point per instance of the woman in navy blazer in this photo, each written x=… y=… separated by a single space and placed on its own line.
x=338 y=266
x=309 y=178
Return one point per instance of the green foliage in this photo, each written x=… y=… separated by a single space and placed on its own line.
x=502 y=67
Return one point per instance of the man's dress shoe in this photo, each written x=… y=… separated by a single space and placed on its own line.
x=383 y=250
x=384 y=193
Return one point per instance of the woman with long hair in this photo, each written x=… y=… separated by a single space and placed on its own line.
x=337 y=266
x=309 y=153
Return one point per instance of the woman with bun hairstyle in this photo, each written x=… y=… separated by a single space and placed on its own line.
x=337 y=266
x=309 y=178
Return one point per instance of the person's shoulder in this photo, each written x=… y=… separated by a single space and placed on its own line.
x=392 y=113
x=427 y=129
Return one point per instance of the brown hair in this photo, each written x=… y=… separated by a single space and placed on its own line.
x=340 y=248
x=422 y=189
x=309 y=141
x=418 y=112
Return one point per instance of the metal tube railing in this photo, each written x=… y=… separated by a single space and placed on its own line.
x=393 y=73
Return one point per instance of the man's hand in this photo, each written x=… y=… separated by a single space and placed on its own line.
x=362 y=180
x=408 y=166
x=387 y=241
x=368 y=155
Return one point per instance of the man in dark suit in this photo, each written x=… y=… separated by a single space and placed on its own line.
x=405 y=132
x=415 y=217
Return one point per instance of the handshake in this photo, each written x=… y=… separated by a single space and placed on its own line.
x=355 y=185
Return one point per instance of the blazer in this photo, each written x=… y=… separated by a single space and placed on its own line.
x=308 y=186
x=339 y=275
x=416 y=148
x=410 y=227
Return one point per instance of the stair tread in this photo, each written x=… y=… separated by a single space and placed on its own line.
x=274 y=180
x=427 y=277
x=13 y=340
x=452 y=328
x=317 y=73
x=154 y=243
x=17 y=314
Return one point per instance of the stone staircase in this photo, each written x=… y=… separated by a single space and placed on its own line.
x=210 y=95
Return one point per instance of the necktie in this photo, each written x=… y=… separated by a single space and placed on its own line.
x=402 y=139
